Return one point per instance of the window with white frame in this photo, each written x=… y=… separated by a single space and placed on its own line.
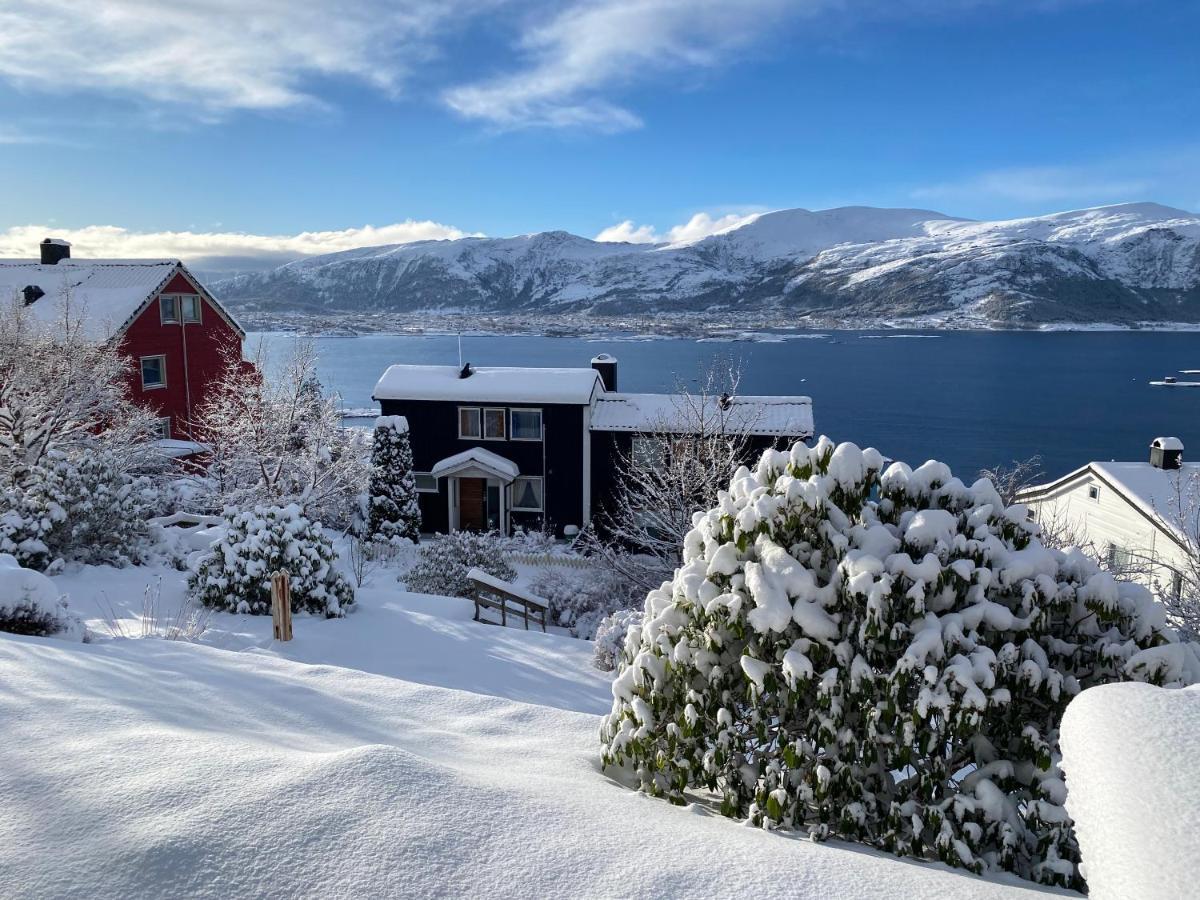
x=163 y=427
x=527 y=494
x=1093 y=492
x=168 y=310
x=648 y=451
x=426 y=483
x=468 y=422
x=154 y=372
x=494 y=421
x=526 y=424
x=191 y=308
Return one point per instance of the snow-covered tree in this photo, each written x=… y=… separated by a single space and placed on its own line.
x=666 y=475
x=611 y=635
x=30 y=604
x=442 y=564
x=276 y=439
x=392 y=508
x=879 y=656
x=579 y=599
x=235 y=575
x=71 y=442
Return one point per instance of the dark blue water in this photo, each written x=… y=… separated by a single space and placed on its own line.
x=972 y=399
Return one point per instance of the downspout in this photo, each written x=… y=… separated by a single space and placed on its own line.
x=187 y=380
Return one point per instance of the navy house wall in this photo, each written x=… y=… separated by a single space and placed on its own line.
x=433 y=433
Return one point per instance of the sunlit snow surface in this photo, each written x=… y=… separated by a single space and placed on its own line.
x=403 y=751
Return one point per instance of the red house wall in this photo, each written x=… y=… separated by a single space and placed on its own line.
x=204 y=345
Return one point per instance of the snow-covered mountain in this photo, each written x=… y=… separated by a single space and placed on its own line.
x=1125 y=263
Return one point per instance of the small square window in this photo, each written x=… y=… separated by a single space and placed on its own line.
x=426 y=483
x=526 y=424
x=163 y=427
x=1093 y=492
x=493 y=424
x=527 y=494
x=191 y=308
x=154 y=371
x=168 y=308
x=468 y=422
x=648 y=452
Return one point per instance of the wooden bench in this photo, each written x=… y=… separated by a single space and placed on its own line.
x=490 y=592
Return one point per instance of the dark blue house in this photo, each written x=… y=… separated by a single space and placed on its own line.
x=498 y=447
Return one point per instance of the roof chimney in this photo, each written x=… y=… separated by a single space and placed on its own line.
x=32 y=293
x=466 y=371
x=607 y=367
x=54 y=250
x=1166 y=453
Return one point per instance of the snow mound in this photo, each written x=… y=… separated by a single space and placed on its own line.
x=26 y=594
x=1133 y=789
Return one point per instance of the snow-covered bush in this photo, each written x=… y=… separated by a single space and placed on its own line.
x=579 y=599
x=442 y=565
x=392 y=508
x=30 y=604
x=1133 y=789
x=235 y=575
x=611 y=634
x=879 y=656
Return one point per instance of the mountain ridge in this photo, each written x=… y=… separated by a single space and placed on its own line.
x=1132 y=262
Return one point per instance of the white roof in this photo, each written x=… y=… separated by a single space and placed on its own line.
x=476 y=459
x=1167 y=443
x=488 y=384
x=775 y=416
x=104 y=293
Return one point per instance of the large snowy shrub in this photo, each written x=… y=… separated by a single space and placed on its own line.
x=883 y=657
x=611 y=635
x=235 y=575
x=442 y=565
x=392 y=509
x=1133 y=789
x=580 y=599
x=30 y=604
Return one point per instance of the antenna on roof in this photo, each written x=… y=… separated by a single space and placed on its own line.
x=460 y=362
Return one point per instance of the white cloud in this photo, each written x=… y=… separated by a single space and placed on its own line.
x=699 y=226
x=111 y=241
x=217 y=55
x=602 y=45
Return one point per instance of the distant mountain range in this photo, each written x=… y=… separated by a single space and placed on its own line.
x=1135 y=262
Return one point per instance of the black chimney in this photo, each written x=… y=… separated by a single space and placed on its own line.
x=54 y=250
x=1166 y=453
x=466 y=371
x=607 y=367
x=32 y=293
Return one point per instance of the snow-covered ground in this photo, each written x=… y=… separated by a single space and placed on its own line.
x=402 y=751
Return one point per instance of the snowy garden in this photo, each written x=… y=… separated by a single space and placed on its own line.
x=848 y=679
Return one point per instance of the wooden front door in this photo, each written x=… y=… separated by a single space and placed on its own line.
x=472 y=504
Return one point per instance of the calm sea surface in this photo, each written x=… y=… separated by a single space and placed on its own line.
x=972 y=399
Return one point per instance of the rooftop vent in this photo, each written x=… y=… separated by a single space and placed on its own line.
x=725 y=401
x=32 y=293
x=606 y=365
x=466 y=371
x=54 y=250
x=1166 y=453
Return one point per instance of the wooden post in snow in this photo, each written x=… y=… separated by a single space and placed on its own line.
x=281 y=606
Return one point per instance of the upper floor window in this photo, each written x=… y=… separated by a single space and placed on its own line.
x=494 y=421
x=468 y=422
x=1093 y=492
x=526 y=424
x=168 y=310
x=154 y=372
x=175 y=309
x=191 y=308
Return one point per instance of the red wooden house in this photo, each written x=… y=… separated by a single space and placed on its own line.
x=174 y=332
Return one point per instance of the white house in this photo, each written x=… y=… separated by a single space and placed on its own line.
x=1141 y=515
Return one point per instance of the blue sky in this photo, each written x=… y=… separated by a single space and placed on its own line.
x=430 y=118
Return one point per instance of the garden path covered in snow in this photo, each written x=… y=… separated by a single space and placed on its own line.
x=403 y=751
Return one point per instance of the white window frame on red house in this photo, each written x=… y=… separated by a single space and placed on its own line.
x=164 y=428
x=162 y=370
x=192 y=300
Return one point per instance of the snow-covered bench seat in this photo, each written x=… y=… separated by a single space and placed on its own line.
x=494 y=593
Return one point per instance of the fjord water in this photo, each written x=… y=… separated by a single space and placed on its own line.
x=972 y=399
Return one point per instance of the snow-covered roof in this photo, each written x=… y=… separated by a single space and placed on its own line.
x=1156 y=493
x=176 y=448
x=1167 y=443
x=104 y=293
x=476 y=459
x=774 y=416
x=488 y=384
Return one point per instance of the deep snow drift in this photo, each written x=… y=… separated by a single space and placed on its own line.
x=144 y=767
x=1130 y=753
